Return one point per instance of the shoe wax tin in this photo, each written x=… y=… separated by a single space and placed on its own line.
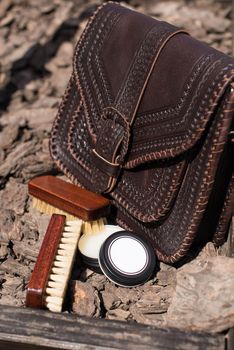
x=125 y=258
x=90 y=244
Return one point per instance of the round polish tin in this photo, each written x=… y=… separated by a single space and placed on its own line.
x=126 y=259
x=89 y=245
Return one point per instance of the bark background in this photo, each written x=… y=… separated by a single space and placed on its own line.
x=37 y=39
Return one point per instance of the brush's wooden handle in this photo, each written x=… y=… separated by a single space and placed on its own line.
x=74 y=200
x=45 y=259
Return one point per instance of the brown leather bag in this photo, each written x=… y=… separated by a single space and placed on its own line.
x=146 y=120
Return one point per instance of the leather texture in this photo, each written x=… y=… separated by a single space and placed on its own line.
x=145 y=121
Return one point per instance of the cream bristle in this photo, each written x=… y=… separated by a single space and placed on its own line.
x=53 y=284
x=68 y=228
x=54 y=300
x=101 y=224
x=92 y=227
x=63 y=252
x=62 y=258
x=57 y=278
x=53 y=308
x=62 y=266
x=68 y=239
x=34 y=202
x=66 y=246
x=59 y=270
x=74 y=226
x=88 y=227
x=61 y=263
x=68 y=234
x=54 y=291
x=50 y=209
x=95 y=226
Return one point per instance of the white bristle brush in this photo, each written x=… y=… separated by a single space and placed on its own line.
x=48 y=283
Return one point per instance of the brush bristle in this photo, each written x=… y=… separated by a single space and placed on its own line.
x=87 y=227
x=92 y=227
x=62 y=266
x=46 y=208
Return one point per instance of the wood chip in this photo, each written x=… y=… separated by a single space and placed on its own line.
x=14 y=196
x=204 y=298
x=15 y=158
x=85 y=300
x=8 y=135
x=10 y=226
x=6 y=21
x=13 y=267
x=25 y=251
x=110 y=297
x=118 y=314
x=3 y=250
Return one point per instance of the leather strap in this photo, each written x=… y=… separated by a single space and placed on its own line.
x=114 y=134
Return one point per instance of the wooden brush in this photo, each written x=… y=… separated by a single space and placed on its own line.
x=49 y=280
x=52 y=195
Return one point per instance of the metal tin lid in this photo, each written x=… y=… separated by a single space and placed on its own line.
x=126 y=259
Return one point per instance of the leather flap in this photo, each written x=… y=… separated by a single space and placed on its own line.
x=136 y=72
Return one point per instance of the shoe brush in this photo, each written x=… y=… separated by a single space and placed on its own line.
x=52 y=195
x=48 y=283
